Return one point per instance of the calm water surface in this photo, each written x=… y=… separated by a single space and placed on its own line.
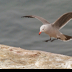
x=18 y=32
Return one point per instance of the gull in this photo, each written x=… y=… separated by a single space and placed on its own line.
x=53 y=29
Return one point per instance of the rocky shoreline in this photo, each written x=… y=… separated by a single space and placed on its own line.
x=18 y=58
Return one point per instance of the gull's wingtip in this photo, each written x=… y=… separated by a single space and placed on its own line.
x=27 y=16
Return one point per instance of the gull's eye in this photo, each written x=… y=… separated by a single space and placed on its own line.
x=42 y=29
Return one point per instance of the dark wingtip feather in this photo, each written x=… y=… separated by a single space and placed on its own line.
x=27 y=16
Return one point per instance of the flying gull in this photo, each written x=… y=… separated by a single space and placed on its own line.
x=53 y=29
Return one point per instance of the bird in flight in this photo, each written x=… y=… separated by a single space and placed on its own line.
x=53 y=29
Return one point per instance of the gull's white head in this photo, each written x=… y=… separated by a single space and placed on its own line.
x=42 y=29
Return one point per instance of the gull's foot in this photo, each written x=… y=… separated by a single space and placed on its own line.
x=46 y=40
x=54 y=39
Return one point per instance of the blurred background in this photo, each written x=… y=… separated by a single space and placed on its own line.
x=23 y=32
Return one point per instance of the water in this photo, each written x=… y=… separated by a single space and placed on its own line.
x=18 y=32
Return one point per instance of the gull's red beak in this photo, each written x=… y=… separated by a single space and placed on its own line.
x=39 y=33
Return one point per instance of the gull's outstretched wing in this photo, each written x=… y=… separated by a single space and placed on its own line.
x=60 y=22
x=37 y=17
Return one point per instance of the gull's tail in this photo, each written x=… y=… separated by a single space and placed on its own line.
x=67 y=37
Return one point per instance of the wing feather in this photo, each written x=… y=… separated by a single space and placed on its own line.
x=37 y=17
x=60 y=22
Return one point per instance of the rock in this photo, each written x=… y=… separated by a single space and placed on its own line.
x=17 y=58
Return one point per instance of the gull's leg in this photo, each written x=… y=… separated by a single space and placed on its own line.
x=48 y=40
x=54 y=39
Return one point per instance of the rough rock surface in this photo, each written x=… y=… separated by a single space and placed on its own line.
x=17 y=58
